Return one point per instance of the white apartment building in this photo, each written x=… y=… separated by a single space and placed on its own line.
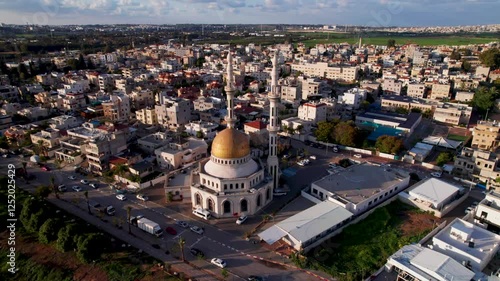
x=71 y=101
x=48 y=137
x=313 y=111
x=464 y=96
x=63 y=122
x=392 y=86
x=452 y=113
x=173 y=112
x=353 y=97
x=147 y=116
x=416 y=90
x=487 y=213
x=153 y=141
x=179 y=153
x=312 y=87
x=106 y=81
x=131 y=72
x=291 y=92
x=206 y=103
x=322 y=70
x=117 y=108
x=208 y=129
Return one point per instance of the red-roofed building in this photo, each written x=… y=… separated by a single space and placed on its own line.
x=256 y=126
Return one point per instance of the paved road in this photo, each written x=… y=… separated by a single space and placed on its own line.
x=243 y=258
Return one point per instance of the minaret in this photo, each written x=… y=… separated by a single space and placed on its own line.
x=273 y=127
x=359 y=46
x=230 y=120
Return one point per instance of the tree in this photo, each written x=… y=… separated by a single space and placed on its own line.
x=484 y=98
x=224 y=273
x=345 y=133
x=129 y=210
x=389 y=144
x=89 y=247
x=43 y=191
x=491 y=58
x=53 y=186
x=455 y=55
x=401 y=110
x=324 y=131
x=121 y=169
x=182 y=242
x=81 y=63
x=466 y=66
x=48 y=231
x=443 y=158
x=86 y=194
x=391 y=43
x=36 y=220
x=29 y=207
x=345 y=163
x=199 y=134
x=66 y=238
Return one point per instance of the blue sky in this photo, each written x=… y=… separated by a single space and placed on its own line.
x=356 y=12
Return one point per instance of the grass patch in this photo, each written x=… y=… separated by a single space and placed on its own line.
x=365 y=246
x=456 y=137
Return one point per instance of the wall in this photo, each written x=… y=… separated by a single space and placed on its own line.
x=431 y=166
x=387 y=156
x=432 y=233
x=310 y=197
x=142 y=185
x=406 y=198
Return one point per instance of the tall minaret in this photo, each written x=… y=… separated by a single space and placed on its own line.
x=230 y=120
x=359 y=46
x=274 y=127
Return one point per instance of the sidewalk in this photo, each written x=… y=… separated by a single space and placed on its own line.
x=176 y=265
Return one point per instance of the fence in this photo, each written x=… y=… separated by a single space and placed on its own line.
x=141 y=185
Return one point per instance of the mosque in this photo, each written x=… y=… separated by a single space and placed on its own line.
x=231 y=183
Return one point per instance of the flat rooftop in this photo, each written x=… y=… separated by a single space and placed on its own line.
x=434 y=190
x=403 y=121
x=359 y=182
x=156 y=138
x=193 y=143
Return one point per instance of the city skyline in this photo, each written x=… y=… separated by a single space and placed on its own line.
x=376 y=13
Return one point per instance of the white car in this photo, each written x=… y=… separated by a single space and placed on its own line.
x=142 y=197
x=93 y=185
x=313 y=157
x=301 y=163
x=72 y=178
x=121 y=197
x=76 y=188
x=219 y=262
x=358 y=155
x=437 y=174
x=241 y=219
x=84 y=181
x=196 y=229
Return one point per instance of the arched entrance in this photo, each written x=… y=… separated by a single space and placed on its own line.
x=244 y=205
x=210 y=204
x=226 y=207
x=198 y=200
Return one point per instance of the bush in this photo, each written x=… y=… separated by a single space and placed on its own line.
x=66 y=238
x=443 y=158
x=48 y=231
x=43 y=191
x=345 y=163
x=36 y=220
x=389 y=144
x=119 y=271
x=90 y=248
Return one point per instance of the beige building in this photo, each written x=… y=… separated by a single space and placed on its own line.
x=392 y=102
x=147 y=116
x=48 y=137
x=208 y=129
x=173 y=112
x=180 y=152
x=140 y=98
x=486 y=135
x=392 y=86
x=479 y=164
x=440 y=91
x=153 y=141
x=452 y=113
x=117 y=108
x=464 y=96
x=416 y=90
x=291 y=92
x=71 y=101
x=323 y=70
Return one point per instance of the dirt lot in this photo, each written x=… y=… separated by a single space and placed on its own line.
x=417 y=223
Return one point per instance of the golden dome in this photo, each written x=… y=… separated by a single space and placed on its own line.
x=230 y=144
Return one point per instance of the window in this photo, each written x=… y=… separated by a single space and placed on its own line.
x=244 y=205
x=198 y=199
x=226 y=206
x=258 y=200
x=231 y=186
x=268 y=194
x=210 y=204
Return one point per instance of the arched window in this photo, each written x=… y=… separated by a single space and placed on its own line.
x=230 y=186
x=210 y=204
x=244 y=206
x=236 y=186
x=268 y=194
x=258 y=200
x=198 y=199
x=226 y=206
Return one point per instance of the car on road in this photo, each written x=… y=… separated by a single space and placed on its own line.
x=357 y=155
x=93 y=185
x=437 y=174
x=182 y=224
x=61 y=188
x=469 y=210
x=241 y=219
x=5 y=155
x=301 y=163
x=286 y=156
x=255 y=278
x=196 y=229
x=84 y=181
x=219 y=262
x=196 y=252
x=76 y=188
x=72 y=178
x=142 y=197
x=313 y=157
x=170 y=230
x=121 y=197
x=45 y=168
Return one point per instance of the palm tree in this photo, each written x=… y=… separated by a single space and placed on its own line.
x=86 y=194
x=129 y=209
x=182 y=242
x=53 y=185
x=42 y=150
x=120 y=169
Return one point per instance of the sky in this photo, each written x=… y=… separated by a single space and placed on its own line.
x=378 y=13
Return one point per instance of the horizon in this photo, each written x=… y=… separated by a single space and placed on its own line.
x=372 y=13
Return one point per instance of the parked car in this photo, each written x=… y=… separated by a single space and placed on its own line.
x=196 y=252
x=72 y=178
x=121 y=197
x=76 y=188
x=301 y=163
x=332 y=165
x=218 y=262
x=93 y=185
x=357 y=155
x=241 y=219
x=255 y=278
x=437 y=174
x=84 y=181
x=313 y=157
x=196 y=229
x=182 y=224
x=61 y=188
x=170 y=230
x=45 y=168
x=142 y=197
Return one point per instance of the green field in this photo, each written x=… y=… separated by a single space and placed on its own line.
x=422 y=41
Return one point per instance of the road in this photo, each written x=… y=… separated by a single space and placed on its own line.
x=243 y=257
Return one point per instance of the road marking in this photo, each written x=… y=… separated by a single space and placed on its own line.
x=197 y=241
x=179 y=234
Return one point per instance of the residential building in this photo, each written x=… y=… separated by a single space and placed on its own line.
x=5 y=121
x=392 y=87
x=178 y=153
x=440 y=91
x=392 y=102
x=415 y=262
x=486 y=135
x=131 y=72
x=153 y=141
x=323 y=70
x=313 y=111
x=475 y=163
x=49 y=138
x=452 y=113
x=147 y=116
x=173 y=112
x=34 y=113
x=291 y=92
x=255 y=127
x=487 y=213
x=64 y=122
x=208 y=129
x=206 y=103
x=294 y=124
x=416 y=90
x=9 y=93
x=374 y=185
x=106 y=82
x=310 y=227
x=72 y=101
x=467 y=243
x=140 y=98
x=353 y=98
x=117 y=108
